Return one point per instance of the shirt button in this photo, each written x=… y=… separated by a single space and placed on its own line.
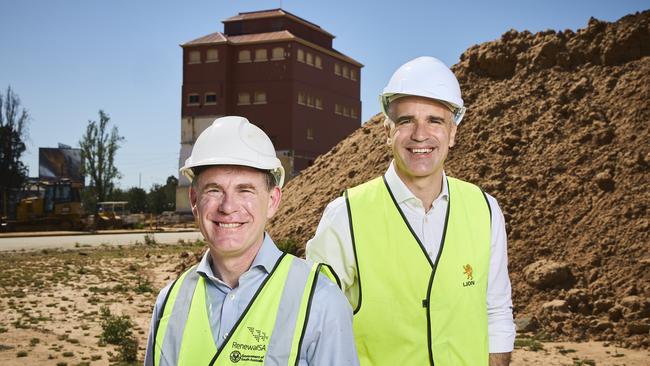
x=225 y=335
x=430 y=254
x=232 y=296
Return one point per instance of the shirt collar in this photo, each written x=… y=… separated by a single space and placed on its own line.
x=265 y=259
x=400 y=190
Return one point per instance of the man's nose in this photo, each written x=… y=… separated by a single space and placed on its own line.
x=419 y=131
x=227 y=204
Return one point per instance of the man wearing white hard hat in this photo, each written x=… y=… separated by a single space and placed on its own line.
x=246 y=302
x=421 y=256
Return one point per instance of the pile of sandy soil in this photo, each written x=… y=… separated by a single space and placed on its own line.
x=557 y=129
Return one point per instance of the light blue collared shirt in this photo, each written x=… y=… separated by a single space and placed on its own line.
x=328 y=338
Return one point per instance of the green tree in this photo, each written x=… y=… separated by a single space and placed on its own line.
x=137 y=198
x=163 y=198
x=13 y=130
x=98 y=148
x=118 y=194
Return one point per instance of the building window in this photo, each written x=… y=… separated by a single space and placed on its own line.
x=212 y=55
x=353 y=74
x=310 y=101
x=193 y=99
x=337 y=69
x=310 y=59
x=261 y=55
x=243 y=98
x=346 y=72
x=346 y=111
x=244 y=56
x=210 y=98
x=319 y=103
x=194 y=57
x=301 y=98
x=338 y=109
x=260 y=97
x=318 y=62
x=353 y=112
x=310 y=133
x=301 y=55
x=277 y=53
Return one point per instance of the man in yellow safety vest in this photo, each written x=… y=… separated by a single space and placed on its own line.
x=421 y=256
x=246 y=303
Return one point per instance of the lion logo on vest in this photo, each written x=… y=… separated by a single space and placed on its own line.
x=235 y=356
x=468 y=271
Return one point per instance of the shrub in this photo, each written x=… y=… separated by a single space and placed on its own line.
x=143 y=285
x=115 y=328
x=149 y=239
x=118 y=330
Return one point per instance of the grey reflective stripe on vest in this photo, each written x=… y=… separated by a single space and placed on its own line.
x=285 y=322
x=174 y=334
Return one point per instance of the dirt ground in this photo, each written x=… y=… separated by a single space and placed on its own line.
x=51 y=300
x=50 y=308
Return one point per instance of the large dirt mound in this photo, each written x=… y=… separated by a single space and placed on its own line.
x=557 y=130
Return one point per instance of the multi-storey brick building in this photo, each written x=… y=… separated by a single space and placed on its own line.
x=279 y=71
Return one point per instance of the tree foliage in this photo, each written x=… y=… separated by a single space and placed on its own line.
x=159 y=198
x=13 y=128
x=163 y=198
x=137 y=198
x=98 y=148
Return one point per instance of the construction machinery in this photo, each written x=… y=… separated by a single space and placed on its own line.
x=110 y=215
x=48 y=205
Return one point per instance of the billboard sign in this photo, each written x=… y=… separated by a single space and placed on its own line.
x=57 y=163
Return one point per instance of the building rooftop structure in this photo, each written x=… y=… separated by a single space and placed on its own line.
x=279 y=71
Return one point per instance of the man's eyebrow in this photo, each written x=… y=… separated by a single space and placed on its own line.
x=436 y=118
x=429 y=117
x=245 y=186
x=211 y=185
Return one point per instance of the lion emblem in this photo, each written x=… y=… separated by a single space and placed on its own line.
x=468 y=271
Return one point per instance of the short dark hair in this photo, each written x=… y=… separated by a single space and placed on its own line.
x=268 y=175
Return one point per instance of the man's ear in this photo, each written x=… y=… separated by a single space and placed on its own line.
x=193 y=199
x=388 y=126
x=275 y=196
x=452 y=134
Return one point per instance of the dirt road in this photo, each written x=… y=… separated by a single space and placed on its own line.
x=72 y=241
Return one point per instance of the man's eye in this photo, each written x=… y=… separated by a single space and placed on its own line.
x=403 y=121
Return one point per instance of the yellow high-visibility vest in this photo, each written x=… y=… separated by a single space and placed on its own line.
x=269 y=331
x=414 y=310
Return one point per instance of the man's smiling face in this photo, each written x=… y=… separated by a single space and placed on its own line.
x=232 y=205
x=421 y=133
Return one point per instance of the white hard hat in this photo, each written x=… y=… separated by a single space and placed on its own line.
x=425 y=77
x=233 y=140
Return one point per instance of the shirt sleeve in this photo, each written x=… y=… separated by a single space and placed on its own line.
x=157 y=308
x=332 y=244
x=329 y=340
x=501 y=328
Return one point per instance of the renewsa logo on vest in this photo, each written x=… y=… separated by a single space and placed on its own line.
x=250 y=352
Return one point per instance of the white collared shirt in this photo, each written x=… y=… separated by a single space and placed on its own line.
x=333 y=241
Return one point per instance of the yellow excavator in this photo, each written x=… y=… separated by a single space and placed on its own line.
x=49 y=205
